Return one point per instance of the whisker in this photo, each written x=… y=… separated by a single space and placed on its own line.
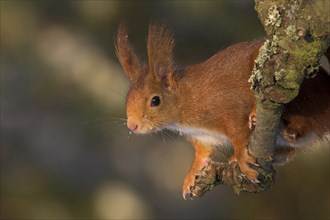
x=168 y=134
x=105 y=125
x=158 y=129
x=120 y=95
x=107 y=133
x=224 y=152
x=118 y=131
x=122 y=119
x=163 y=137
x=108 y=118
x=102 y=125
x=95 y=120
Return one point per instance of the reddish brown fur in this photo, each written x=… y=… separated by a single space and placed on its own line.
x=310 y=111
x=126 y=55
x=213 y=97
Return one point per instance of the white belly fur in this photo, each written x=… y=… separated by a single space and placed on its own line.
x=217 y=139
x=204 y=136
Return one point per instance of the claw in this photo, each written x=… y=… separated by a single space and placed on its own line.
x=184 y=195
x=232 y=160
x=254 y=164
x=186 y=191
x=255 y=181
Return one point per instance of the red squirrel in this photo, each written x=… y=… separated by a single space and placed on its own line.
x=211 y=103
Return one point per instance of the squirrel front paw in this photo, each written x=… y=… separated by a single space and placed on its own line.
x=252 y=119
x=243 y=160
x=189 y=180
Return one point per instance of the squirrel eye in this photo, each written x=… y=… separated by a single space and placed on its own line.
x=155 y=101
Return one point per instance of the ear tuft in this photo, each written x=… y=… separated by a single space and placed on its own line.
x=126 y=55
x=160 y=53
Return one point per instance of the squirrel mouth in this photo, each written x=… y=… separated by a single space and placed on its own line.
x=142 y=131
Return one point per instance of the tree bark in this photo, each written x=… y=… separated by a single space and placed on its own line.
x=297 y=35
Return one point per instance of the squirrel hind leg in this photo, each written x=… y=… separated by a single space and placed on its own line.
x=243 y=159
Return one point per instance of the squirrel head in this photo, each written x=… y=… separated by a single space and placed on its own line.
x=152 y=101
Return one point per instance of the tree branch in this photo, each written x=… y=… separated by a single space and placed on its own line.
x=297 y=37
x=298 y=34
x=229 y=174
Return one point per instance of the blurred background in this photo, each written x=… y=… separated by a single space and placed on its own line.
x=65 y=150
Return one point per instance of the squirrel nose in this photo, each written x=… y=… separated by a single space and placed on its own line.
x=133 y=126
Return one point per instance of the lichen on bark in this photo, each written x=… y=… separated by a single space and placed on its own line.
x=297 y=35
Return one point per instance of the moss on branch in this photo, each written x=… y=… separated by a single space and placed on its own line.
x=298 y=34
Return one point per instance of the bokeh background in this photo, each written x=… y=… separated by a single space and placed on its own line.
x=65 y=150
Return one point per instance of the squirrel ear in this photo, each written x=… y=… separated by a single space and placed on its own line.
x=164 y=75
x=160 y=49
x=126 y=55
